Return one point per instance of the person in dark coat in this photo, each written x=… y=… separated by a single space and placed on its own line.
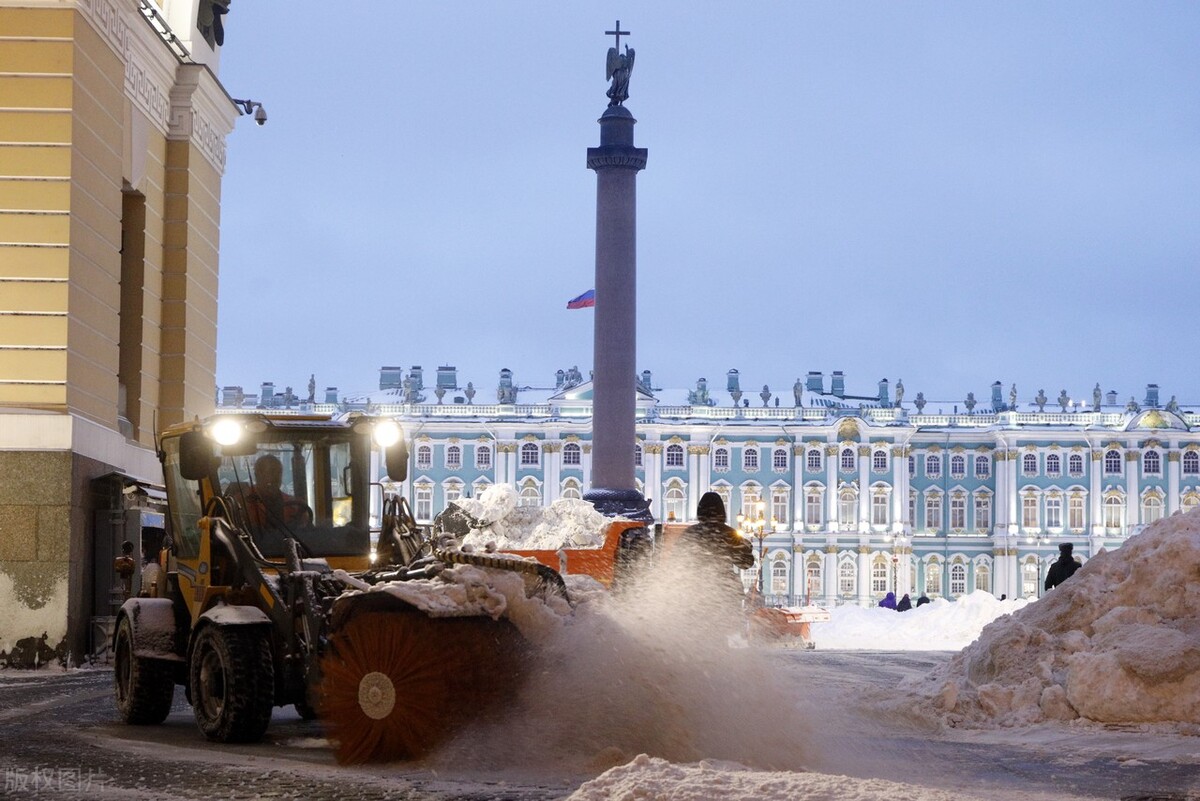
x=889 y=601
x=714 y=551
x=924 y=599
x=1063 y=568
x=904 y=604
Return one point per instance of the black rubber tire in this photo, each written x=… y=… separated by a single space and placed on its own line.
x=232 y=682
x=144 y=688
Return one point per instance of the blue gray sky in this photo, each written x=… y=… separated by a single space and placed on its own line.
x=950 y=193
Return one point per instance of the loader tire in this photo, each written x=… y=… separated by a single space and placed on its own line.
x=144 y=688
x=233 y=683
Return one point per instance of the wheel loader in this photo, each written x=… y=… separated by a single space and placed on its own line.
x=278 y=530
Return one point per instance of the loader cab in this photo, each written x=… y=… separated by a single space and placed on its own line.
x=271 y=478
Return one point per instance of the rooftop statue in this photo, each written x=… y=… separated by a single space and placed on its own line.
x=617 y=68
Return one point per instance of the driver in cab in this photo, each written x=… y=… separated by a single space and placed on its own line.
x=269 y=505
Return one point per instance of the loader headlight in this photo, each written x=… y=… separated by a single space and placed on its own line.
x=387 y=433
x=226 y=431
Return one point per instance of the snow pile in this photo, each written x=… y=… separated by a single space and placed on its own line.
x=649 y=778
x=1118 y=642
x=565 y=523
x=21 y=618
x=939 y=625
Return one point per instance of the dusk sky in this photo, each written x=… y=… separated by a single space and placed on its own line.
x=948 y=193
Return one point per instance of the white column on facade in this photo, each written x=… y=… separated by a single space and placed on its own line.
x=830 y=571
x=701 y=472
x=1000 y=499
x=1173 y=456
x=585 y=462
x=899 y=489
x=864 y=488
x=551 y=471
x=1014 y=496
x=798 y=488
x=863 y=563
x=652 y=464
x=1132 y=501
x=1097 y=493
x=902 y=566
x=831 y=482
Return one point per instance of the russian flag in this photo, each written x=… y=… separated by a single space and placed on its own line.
x=583 y=301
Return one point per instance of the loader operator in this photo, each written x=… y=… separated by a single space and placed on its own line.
x=715 y=552
x=268 y=505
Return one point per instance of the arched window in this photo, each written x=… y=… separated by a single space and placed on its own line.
x=1112 y=462
x=529 y=454
x=637 y=455
x=750 y=460
x=424 y=457
x=1075 y=513
x=849 y=462
x=453 y=457
x=675 y=455
x=933 y=579
x=879 y=576
x=721 y=460
x=1053 y=464
x=676 y=503
x=812 y=575
x=530 y=496
x=1053 y=511
x=958 y=511
x=572 y=454
x=452 y=490
x=848 y=509
x=780 y=502
x=983 y=467
x=423 y=507
x=1029 y=464
x=912 y=466
x=483 y=457
x=983 y=512
x=983 y=578
x=480 y=486
x=779 y=460
x=751 y=500
x=1152 y=509
x=879 y=461
x=958 y=580
x=933 y=465
x=847 y=579
x=879 y=507
x=1029 y=578
x=1191 y=463
x=958 y=466
x=1189 y=501
x=571 y=489
x=779 y=576
x=1075 y=465
x=1114 y=512
x=813 y=508
x=813 y=461
x=933 y=512
x=1151 y=463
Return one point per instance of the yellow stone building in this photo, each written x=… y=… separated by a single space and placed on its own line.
x=112 y=148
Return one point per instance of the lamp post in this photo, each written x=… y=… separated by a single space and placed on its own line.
x=752 y=525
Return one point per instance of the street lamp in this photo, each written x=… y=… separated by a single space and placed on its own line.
x=753 y=525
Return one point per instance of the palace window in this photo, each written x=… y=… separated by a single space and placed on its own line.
x=812 y=508
x=1151 y=463
x=571 y=490
x=847 y=579
x=1054 y=511
x=1075 y=465
x=849 y=462
x=751 y=498
x=530 y=454
x=879 y=576
x=958 y=580
x=812 y=575
x=423 y=508
x=779 y=505
x=779 y=460
x=637 y=456
x=933 y=465
x=572 y=454
x=912 y=466
x=676 y=503
x=1191 y=463
x=848 y=509
x=1029 y=579
x=879 y=507
x=1152 y=509
x=483 y=457
x=813 y=460
x=958 y=513
x=453 y=457
x=912 y=509
x=1029 y=464
x=933 y=579
x=721 y=460
x=983 y=578
x=933 y=512
x=879 y=461
x=1114 y=512
x=1189 y=501
x=983 y=512
x=675 y=455
x=779 y=577
x=750 y=460
x=958 y=466
x=1053 y=464
x=983 y=467
x=1112 y=462
x=1029 y=511
x=424 y=457
x=530 y=496
x=1075 y=513
x=452 y=490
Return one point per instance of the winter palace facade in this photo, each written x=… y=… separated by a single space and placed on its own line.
x=847 y=497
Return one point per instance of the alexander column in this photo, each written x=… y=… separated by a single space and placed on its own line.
x=616 y=162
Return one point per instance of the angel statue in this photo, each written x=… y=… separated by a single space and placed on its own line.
x=618 y=69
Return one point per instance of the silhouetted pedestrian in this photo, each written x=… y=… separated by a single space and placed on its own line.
x=1063 y=568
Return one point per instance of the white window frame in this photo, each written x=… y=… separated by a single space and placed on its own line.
x=750 y=460
x=721 y=460
x=780 y=504
x=1114 y=513
x=1076 y=513
x=848 y=509
x=1112 y=462
x=1030 y=513
x=813 y=460
x=879 y=461
x=779 y=460
x=847 y=461
x=958 y=466
x=879 y=577
x=673 y=456
x=424 y=457
x=572 y=455
x=958 y=580
x=983 y=512
x=423 y=502
x=1054 y=512
x=1152 y=508
x=814 y=508
x=1152 y=463
x=675 y=503
x=958 y=512
x=933 y=465
x=483 y=457
x=1073 y=460
x=1053 y=465
x=880 y=507
x=933 y=511
x=531 y=455
x=1029 y=464
x=453 y=457
x=983 y=466
x=847 y=579
x=1190 y=463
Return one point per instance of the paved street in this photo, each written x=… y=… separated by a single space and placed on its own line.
x=59 y=739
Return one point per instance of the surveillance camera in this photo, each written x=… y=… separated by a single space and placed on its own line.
x=260 y=115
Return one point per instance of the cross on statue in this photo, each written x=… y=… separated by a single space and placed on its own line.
x=618 y=33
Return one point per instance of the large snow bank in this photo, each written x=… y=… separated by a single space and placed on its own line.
x=565 y=523
x=1118 y=642
x=45 y=616
x=939 y=625
x=649 y=778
